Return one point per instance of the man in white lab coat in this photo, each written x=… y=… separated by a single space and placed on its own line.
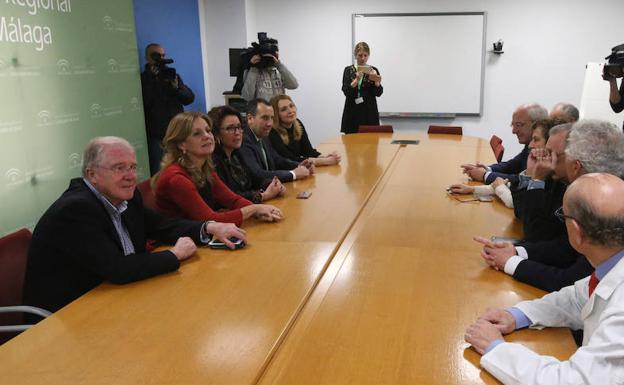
x=593 y=211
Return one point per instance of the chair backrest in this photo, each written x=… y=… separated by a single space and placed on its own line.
x=497 y=147
x=451 y=130
x=382 y=128
x=13 y=257
x=149 y=199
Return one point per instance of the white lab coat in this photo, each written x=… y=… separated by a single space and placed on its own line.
x=599 y=361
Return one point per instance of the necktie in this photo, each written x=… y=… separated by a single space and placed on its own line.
x=264 y=155
x=593 y=282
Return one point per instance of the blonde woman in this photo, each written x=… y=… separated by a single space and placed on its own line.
x=361 y=85
x=187 y=185
x=289 y=137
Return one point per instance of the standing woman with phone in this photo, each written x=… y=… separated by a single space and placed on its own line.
x=361 y=84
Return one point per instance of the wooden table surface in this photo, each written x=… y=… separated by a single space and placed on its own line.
x=372 y=280
x=394 y=303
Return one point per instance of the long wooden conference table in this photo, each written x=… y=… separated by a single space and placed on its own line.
x=372 y=280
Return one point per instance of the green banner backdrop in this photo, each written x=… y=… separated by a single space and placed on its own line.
x=68 y=72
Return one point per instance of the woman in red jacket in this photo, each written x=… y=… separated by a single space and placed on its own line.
x=187 y=185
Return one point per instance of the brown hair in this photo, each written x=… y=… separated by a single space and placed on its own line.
x=218 y=114
x=361 y=46
x=277 y=123
x=545 y=125
x=181 y=127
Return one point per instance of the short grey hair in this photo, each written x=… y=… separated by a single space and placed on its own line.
x=570 y=112
x=536 y=112
x=598 y=145
x=93 y=152
x=601 y=229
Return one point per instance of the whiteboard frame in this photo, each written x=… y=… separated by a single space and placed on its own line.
x=430 y=114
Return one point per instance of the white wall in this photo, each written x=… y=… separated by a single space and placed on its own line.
x=225 y=27
x=547 y=44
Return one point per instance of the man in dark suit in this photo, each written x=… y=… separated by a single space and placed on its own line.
x=540 y=190
x=96 y=231
x=592 y=146
x=262 y=161
x=522 y=122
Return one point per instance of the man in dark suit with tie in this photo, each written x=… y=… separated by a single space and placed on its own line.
x=96 y=231
x=262 y=161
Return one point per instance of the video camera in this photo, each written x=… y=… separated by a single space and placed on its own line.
x=240 y=59
x=162 y=70
x=264 y=46
x=615 y=65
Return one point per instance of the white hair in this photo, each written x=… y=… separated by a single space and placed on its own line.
x=598 y=145
x=93 y=150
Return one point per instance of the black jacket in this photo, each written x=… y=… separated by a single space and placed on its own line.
x=250 y=189
x=161 y=102
x=252 y=156
x=510 y=169
x=536 y=208
x=620 y=106
x=552 y=265
x=75 y=247
x=356 y=114
x=297 y=150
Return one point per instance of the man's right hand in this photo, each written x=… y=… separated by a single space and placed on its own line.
x=502 y=319
x=184 y=248
x=255 y=59
x=481 y=334
x=496 y=254
x=301 y=172
x=476 y=172
x=225 y=231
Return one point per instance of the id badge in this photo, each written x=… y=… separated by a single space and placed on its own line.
x=359 y=100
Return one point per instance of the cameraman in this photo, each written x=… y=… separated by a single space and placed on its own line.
x=612 y=70
x=164 y=95
x=616 y=97
x=267 y=76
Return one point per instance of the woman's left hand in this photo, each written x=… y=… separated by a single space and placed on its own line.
x=268 y=213
x=499 y=181
x=335 y=157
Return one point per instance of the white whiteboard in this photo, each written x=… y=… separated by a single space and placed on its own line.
x=430 y=63
x=595 y=97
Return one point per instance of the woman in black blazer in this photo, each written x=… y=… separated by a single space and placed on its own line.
x=361 y=84
x=289 y=137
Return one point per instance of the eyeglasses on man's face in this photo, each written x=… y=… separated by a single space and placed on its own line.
x=518 y=124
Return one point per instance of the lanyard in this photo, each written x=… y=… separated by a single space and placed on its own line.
x=359 y=86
